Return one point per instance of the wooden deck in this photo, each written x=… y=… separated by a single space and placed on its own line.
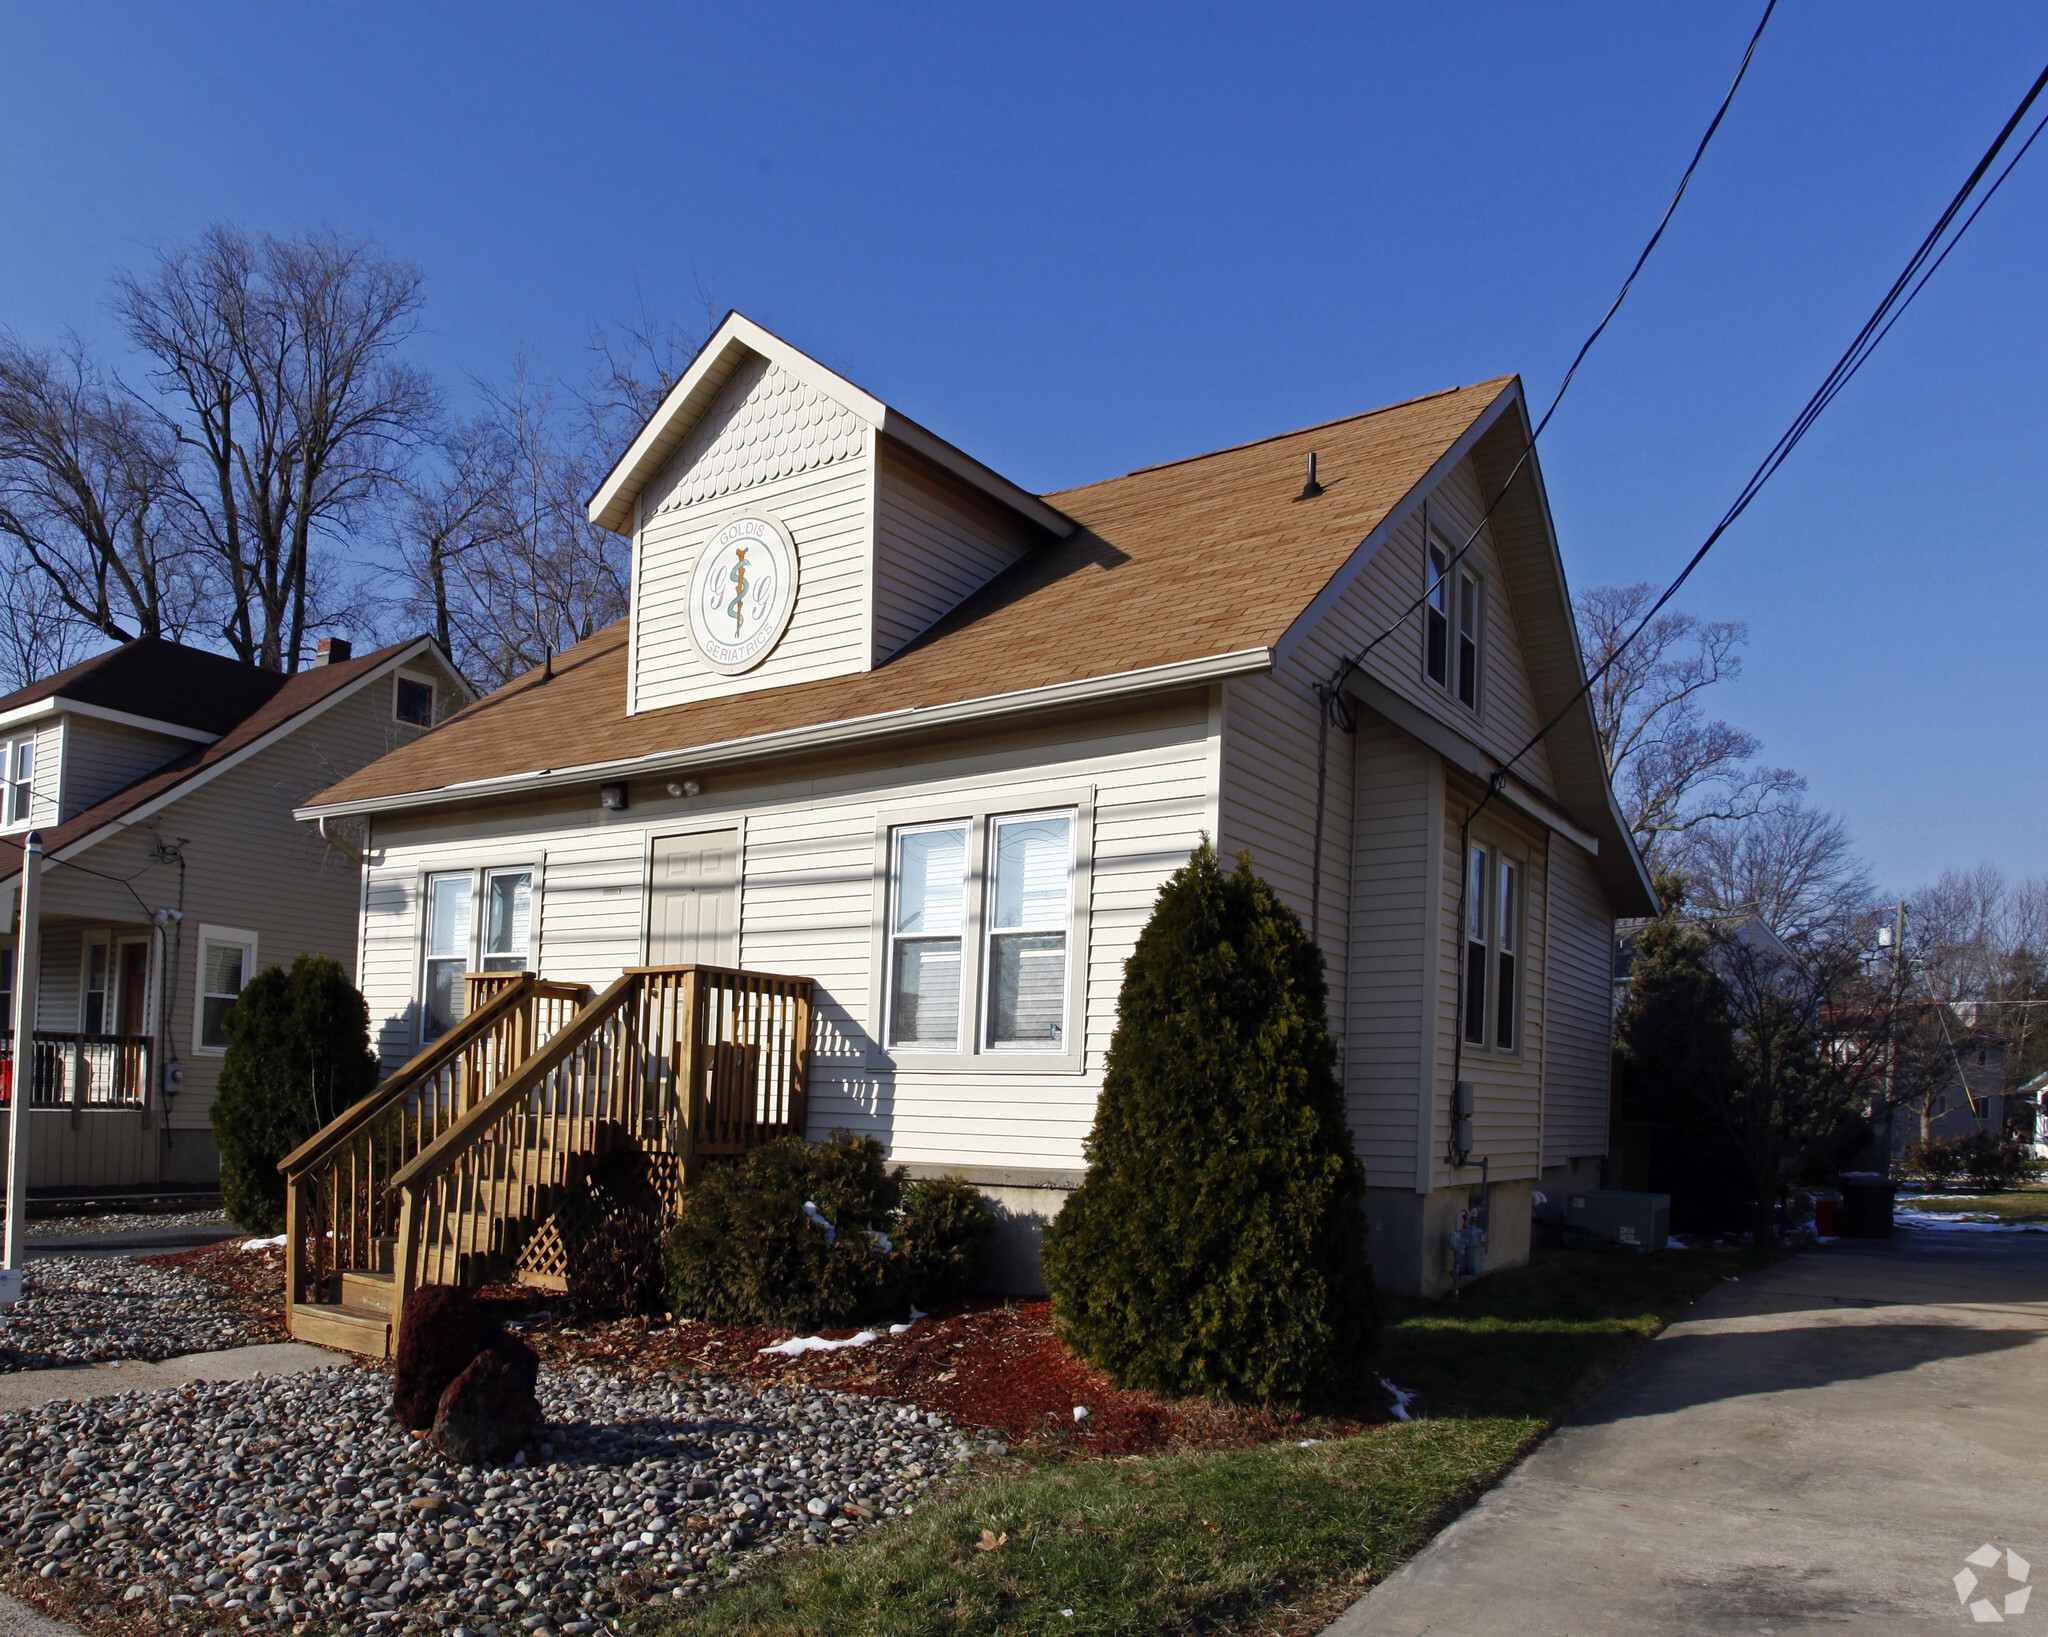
x=452 y=1170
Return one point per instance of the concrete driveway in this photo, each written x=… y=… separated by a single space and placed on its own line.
x=1815 y=1448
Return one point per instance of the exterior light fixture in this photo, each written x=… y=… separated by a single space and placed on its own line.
x=612 y=797
x=685 y=787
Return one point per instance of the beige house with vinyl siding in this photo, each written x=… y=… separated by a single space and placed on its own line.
x=161 y=780
x=885 y=721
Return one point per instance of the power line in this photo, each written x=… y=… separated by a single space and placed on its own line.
x=1910 y=282
x=1578 y=358
x=1329 y=695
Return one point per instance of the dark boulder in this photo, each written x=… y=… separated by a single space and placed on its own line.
x=440 y=1333
x=489 y=1413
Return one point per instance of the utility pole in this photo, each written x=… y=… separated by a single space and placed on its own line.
x=28 y=966
x=1891 y=1057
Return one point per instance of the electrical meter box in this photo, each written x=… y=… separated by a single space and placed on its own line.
x=1612 y=1216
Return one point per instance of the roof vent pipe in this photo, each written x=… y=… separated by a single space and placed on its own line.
x=1311 y=488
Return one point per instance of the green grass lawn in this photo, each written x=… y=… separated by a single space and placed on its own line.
x=2030 y=1205
x=1223 y=1540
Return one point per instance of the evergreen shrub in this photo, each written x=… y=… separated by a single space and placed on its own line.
x=745 y=1251
x=942 y=1231
x=1987 y=1161
x=1217 y=1242
x=298 y=1054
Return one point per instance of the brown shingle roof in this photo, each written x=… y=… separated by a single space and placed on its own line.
x=1206 y=556
x=287 y=697
x=164 y=681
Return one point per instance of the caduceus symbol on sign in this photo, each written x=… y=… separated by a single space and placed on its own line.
x=738 y=575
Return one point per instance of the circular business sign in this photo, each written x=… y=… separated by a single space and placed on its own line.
x=742 y=592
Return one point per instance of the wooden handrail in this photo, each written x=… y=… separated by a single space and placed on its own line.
x=471 y=1127
x=719 y=971
x=425 y=1062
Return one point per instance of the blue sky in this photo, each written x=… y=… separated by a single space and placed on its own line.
x=1079 y=239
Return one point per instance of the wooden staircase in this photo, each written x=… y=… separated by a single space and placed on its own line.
x=452 y=1170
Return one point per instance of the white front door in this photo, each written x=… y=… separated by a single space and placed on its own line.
x=694 y=918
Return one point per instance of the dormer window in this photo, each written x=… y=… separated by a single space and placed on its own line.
x=20 y=773
x=1453 y=623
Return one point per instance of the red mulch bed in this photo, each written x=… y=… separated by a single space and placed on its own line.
x=989 y=1363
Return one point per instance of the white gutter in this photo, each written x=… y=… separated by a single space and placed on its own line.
x=824 y=735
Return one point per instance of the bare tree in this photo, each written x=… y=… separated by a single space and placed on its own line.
x=1792 y=864
x=278 y=375
x=494 y=546
x=1673 y=768
x=87 y=503
x=39 y=634
x=451 y=509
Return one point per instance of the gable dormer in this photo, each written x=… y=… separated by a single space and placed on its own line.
x=788 y=527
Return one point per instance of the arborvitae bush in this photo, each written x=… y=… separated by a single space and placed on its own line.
x=298 y=1054
x=1217 y=1242
x=745 y=1251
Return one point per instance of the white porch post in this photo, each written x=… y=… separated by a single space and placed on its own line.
x=27 y=972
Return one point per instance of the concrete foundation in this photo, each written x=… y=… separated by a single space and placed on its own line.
x=1411 y=1233
x=1025 y=1202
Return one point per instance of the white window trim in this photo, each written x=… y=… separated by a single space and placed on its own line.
x=9 y=749
x=473 y=956
x=427 y=682
x=985 y=998
x=976 y=812
x=248 y=942
x=1498 y=853
x=1458 y=575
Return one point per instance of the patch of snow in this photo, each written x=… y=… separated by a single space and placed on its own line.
x=1402 y=1399
x=797 y=1346
x=264 y=1244
x=1080 y=1412
x=1962 y=1222
x=818 y=1221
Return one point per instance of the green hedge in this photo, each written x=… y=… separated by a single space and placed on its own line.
x=745 y=1249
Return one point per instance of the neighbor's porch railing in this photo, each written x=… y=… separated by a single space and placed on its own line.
x=81 y=1071
x=679 y=1062
x=340 y=1214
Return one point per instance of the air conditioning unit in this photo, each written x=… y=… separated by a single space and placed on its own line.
x=1612 y=1216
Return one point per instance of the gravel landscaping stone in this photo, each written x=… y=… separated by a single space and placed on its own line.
x=88 y=1309
x=63 y=1227
x=296 y=1501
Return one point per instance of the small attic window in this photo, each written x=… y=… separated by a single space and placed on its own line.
x=414 y=702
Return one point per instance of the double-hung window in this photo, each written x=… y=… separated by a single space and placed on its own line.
x=1031 y=912
x=927 y=922
x=18 y=765
x=977 y=940
x=1493 y=949
x=477 y=921
x=1453 y=624
x=227 y=961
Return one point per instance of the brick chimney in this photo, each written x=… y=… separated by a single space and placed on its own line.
x=332 y=650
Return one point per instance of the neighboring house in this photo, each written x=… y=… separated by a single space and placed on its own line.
x=162 y=780
x=883 y=720
x=1972 y=1096
x=1750 y=930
